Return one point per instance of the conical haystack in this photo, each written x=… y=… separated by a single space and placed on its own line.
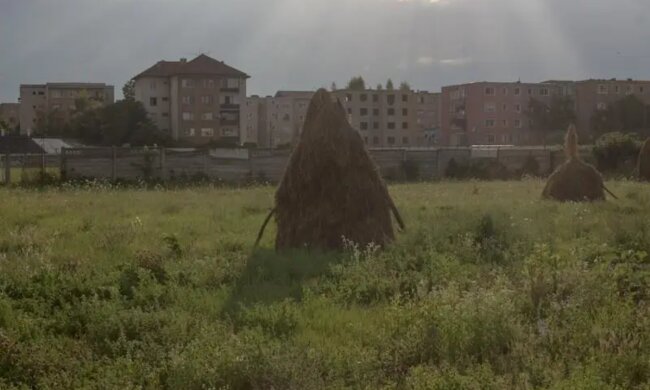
x=331 y=188
x=575 y=180
x=643 y=166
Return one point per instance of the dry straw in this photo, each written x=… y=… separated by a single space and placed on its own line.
x=575 y=180
x=331 y=188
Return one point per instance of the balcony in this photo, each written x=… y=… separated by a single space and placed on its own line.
x=229 y=122
x=233 y=90
x=230 y=107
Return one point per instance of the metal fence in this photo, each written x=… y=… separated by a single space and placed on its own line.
x=21 y=168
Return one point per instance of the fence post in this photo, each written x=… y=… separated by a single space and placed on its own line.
x=114 y=163
x=163 y=171
x=7 y=168
x=43 y=165
x=62 y=173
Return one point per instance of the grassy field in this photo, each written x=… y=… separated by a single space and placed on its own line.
x=488 y=288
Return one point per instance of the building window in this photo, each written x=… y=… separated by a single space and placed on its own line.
x=363 y=111
x=375 y=125
x=390 y=140
x=363 y=97
x=530 y=91
x=349 y=111
x=518 y=107
x=390 y=99
x=375 y=111
x=504 y=108
x=375 y=98
x=517 y=123
x=165 y=99
x=348 y=97
x=601 y=106
x=208 y=83
x=489 y=91
x=628 y=90
x=190 y=132
x=490 y=139
x=153 y=101
x=405 y=98
x=405 y=140
x=421 y=99
x=405 y=125
x=152 y=85
x=390 y=112
x=286 y=118
x=188 y=116
x=617 y=89
x=55 y=106
x=375 y=140
x=207 y=132
x=207 y=99
x=489 y=123
x=490 y=107
x=405 y=111
x=504 y=91
x=187 y=99
x=641 y=89
x=207 y=116
x=543 y=91
x=365 y=140
x=187 y=83
x=602 y=89
x=504 y=123
x=517 y=91
x=364 y=125
x=391 y=125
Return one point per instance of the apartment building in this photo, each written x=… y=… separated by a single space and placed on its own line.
x=274 y=121
x=595 y=95
x=195 y=101
x=393 y=118
x=57 y=99
x=10 y=114
x=494 y=113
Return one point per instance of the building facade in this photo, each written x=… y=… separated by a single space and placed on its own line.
x=494 y=113
x=595 y=95
x=393 y=118
x=195 y=102
x=275 y=121
x=10 y=115
x=57 y=100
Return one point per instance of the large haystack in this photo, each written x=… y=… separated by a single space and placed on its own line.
x=331 y=188
x=575 y=180
x=643 y=166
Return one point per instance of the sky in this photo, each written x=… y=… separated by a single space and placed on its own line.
x=306 y=44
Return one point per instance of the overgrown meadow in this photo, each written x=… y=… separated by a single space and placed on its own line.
x=488 y=288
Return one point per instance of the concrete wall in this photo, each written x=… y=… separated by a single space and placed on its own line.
x=269 y=165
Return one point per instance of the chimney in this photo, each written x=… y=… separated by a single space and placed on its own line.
x=183 y=59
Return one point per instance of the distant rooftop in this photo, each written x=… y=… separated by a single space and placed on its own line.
x=64 y=85
x=295 y=94
x=201 y=65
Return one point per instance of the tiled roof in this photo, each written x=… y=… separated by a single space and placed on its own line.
x=19 y=144
x=198 y=66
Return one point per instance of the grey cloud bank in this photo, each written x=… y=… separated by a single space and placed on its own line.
x=302 y=44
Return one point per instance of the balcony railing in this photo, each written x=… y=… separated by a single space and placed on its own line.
x=230 y=106
x=229 y=122
x=226 y=89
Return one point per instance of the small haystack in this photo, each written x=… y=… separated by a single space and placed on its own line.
x=331 y=188
x=575 y=180
x=643 y=167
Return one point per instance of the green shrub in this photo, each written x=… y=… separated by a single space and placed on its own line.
x=616 y=152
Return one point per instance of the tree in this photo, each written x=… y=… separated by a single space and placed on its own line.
x=389 y=85
x=333 y=86
x=625 y=115
x=379 y=87
x=404 y=86
x=357 y=83
x=555 y=116
x=128 y=90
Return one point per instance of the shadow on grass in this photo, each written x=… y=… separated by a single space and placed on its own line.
x=272 y=277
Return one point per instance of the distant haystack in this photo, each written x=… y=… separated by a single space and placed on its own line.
x=331 y=188
x=643 y=166
x=575 y=180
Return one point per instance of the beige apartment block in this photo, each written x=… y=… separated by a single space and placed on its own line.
x=57 y=99
x=392 y=118
x=595 y=95
x=275 y=121
x=196 y=102
x=10 y=114
x=494 y=113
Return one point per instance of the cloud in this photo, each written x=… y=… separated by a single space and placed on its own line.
x=425 y=61
x=455 y=61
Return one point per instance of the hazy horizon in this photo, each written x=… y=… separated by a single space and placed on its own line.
x=298 y=44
